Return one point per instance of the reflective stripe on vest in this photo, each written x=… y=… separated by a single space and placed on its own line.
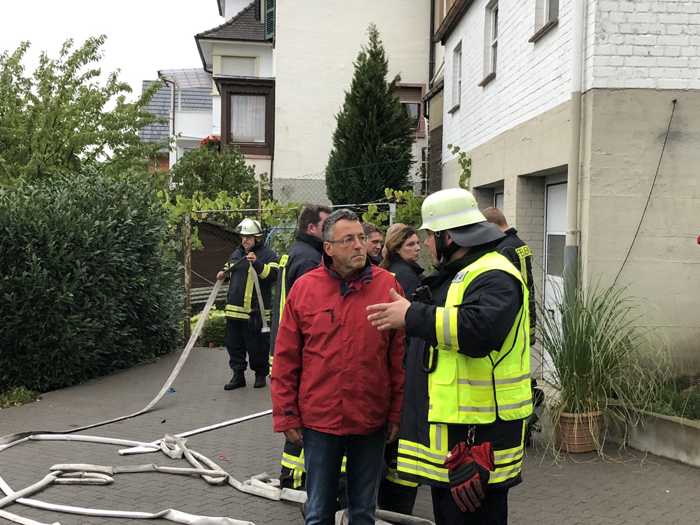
x=461 y=389
x=243 y=312
x=424 y=464
x=523 y=252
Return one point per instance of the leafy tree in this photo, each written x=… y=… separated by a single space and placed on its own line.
x=211 y=169
x=372 y=141
x=61 y=120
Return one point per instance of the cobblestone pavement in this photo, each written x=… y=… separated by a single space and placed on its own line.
x=629 y=489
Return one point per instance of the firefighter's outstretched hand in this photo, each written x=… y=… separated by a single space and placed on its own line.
x=388 y=316
x=220 y=276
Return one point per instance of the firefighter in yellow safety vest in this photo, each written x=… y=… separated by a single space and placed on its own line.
x=467 y=388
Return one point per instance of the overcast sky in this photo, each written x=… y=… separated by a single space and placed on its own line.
x=143 y=36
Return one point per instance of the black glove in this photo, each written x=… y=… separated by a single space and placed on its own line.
x=422 y=294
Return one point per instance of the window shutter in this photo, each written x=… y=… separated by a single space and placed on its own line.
x=269 y=19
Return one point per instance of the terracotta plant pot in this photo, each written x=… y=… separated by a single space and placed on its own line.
x=578 y=433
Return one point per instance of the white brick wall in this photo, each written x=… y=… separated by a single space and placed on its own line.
x=629 y=44
x=530 y=78
x=646 y=44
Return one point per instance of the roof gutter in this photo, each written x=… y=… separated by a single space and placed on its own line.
x=571 y=250
x=172 y=113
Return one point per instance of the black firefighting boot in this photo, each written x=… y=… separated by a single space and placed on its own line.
x=237 y=381
x=260 y=381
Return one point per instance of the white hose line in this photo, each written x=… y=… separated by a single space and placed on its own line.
x=154 y=446
x=265 y=328
x=9 y=516
x=31 y=489
x=12 y=439
x=173 y=515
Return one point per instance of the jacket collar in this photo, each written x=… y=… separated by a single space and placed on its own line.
x=395 y=258
x=314 y=242
x=448 y=270
x=356 y=280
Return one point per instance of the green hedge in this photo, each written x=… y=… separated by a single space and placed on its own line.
x=214 y=330
x=85 y=285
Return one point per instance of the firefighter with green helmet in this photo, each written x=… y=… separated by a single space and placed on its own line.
x=468 y=370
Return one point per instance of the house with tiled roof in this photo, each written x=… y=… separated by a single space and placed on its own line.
x=281 y=77
x=238 y=56
x=184 y=104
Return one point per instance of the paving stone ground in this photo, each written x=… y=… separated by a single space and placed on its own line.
x=630 y=488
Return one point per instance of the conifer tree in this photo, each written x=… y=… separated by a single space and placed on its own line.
x=373 y=138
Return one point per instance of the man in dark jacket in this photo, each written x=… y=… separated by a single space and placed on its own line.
x=343 y=398
x=249 y=262
x=464 y=434
x=304 y=255
x=375 y=242
x=519 y=253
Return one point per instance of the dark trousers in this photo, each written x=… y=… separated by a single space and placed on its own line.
x=394 y=496
x=323 y=455
x=493 y=510
x=242 y=340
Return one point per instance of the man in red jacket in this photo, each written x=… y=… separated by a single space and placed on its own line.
x=337 y=383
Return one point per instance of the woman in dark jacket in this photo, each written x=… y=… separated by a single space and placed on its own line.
x=401 y=251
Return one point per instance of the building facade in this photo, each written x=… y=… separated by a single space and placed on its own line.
x=280 y=72
x=580 y=118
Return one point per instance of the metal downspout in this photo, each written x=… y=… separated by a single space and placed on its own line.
x=171 y=120
x=571 y=251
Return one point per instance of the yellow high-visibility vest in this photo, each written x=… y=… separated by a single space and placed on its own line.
x=469 y=390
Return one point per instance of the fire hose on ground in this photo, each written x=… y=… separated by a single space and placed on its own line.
x=173 y=446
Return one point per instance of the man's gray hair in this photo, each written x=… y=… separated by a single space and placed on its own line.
x=342 y=214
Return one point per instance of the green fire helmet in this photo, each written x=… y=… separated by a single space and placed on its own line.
x=249 y=227
x=449 y=209
x=456 y=210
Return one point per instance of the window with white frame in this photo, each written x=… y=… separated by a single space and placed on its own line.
x=457 y=76
x=490 y=41
x=546 y=13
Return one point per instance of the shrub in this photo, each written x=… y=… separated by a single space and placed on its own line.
x=209 y=171
x=17 y=396
x=680 y=397
x=214 y=330
x=85 y=285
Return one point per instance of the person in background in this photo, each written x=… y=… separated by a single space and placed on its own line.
x=401 y=252
x=304 y=255
x=519 y=253
x=243 y=313
x=337 y=383
x=375 y=240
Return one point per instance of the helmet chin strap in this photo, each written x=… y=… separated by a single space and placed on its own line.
x=443 y=250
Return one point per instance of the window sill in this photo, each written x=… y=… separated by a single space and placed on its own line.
x=488 y=78
x=453 y=109
x=544 y=30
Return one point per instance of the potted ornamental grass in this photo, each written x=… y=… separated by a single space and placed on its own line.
x=602 y=367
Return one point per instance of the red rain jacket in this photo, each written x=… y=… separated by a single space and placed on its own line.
x=333 y=371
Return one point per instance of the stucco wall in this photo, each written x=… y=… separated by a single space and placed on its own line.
x=624 y=135
x=316 y=43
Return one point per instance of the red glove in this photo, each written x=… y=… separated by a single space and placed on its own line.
x=468 y=470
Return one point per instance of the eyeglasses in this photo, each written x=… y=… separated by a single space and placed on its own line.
x=348 y=240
